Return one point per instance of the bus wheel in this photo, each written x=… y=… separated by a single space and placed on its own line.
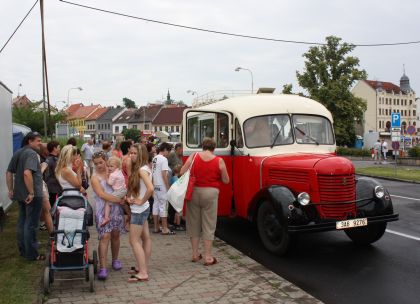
x=273 y=233
x=366 y=235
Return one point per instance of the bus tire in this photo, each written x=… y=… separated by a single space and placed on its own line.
x=272 y=231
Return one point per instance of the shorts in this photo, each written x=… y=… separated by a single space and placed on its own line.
x=140 y=218
x=120 y=193
x=160 y=204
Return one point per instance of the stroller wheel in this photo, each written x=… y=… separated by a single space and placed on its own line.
x=47 y=280
x=91 y=279
x=95 y=261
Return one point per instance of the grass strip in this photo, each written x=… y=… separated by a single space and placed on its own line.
x=400 y=173
x=20 y=279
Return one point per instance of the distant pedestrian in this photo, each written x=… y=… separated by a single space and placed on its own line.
x=107 y=148
x=72 y=141
x=24 y=182
x=384 y=147
x=126 y=161
x=209 y=170
x=87 y=150
x=54 y=187
x=46 y=223
x=377 y=148
x=175 y=157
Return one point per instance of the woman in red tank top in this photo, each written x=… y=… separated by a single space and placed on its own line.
x=209 y=170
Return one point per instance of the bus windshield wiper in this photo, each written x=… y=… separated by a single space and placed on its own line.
x=310 y=137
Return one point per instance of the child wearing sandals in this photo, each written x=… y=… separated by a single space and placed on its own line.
x=117 y=181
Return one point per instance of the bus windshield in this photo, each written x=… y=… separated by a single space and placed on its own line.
x=268 y=130
x=310 y=129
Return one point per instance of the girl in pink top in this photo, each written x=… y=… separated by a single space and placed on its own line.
x=117 y=181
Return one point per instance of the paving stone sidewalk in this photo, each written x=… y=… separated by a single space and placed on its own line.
x=175 y=279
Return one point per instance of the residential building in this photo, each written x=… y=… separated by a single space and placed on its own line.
x=21 y=101
x=104 y=123
x=143 y=117
x=91 y=125
x=121 y=122
x=169 y=119
x=73 y=108
x=384 y=98
x=77 y=120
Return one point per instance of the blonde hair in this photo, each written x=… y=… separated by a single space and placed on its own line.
x=115 y=160
x=64 y=159
x=134 y=178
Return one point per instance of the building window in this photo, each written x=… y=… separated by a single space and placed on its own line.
x=124 y=128
x=160 y=128
x=146 y=126
x=177 y=128
x=414 y=112
x=134 y=126
x=117 y=129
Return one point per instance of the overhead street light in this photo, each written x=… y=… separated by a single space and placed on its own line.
x=68 y=94
x=252 y=77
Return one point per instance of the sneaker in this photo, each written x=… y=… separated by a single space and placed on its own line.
x=102 y=274
x=116 y=265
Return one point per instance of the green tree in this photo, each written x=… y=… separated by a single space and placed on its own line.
x=328 y=76
x=128 y=103
x=133 y=134
x=33 y=118
x=287 y=88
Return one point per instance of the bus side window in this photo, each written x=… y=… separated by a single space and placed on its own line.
x=238 y=135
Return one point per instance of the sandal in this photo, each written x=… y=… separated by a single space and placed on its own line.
x=133 y=270
x=170 y=232
x=135 y=278
x=40 y=257
x=211 y=263
x=196 y=259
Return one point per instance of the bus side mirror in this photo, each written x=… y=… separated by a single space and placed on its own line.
x=233 y=143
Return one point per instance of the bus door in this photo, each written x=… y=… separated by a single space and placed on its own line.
x=198 y=124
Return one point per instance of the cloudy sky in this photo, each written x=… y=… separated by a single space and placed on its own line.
x=112 y=57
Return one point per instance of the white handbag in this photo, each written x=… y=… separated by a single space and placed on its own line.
x=176 y=193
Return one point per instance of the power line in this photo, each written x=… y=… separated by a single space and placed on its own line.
x=229 y=34
x=18 y=26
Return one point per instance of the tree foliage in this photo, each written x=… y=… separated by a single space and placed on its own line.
x=128 y=103
x=328 y=76
x=287 y=88
x=33 y=118
x=133 y=134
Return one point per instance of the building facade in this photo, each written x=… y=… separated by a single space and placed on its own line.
x=169 y=119
x=104 y=123
x=384 y=98
x=121 y=122
x=91 y=128
x=143 y=117
x=78 y=119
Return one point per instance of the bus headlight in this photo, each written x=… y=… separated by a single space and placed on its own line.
x=379 y=191
x=303 y=198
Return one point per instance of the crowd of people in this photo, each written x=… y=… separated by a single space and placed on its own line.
x=130 y=182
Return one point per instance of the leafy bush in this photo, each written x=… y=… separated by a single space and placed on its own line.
x=414 y=152
x=353 y=152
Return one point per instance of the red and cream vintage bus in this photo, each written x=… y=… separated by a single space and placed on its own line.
x=285 y=174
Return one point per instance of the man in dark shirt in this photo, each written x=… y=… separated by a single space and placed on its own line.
x=26 y=188
x=54 y=187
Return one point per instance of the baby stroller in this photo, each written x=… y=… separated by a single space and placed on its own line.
x=72 y=214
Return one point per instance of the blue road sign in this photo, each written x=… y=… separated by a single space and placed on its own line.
x=395 y=120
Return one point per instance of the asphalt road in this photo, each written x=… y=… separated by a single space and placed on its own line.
x=331 y=268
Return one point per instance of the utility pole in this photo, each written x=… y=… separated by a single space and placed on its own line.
x=45 y=87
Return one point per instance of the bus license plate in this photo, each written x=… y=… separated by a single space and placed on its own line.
x=351 y=223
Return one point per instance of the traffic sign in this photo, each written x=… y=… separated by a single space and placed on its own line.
x=395 y=120
x=396 y=145
x=411 y=130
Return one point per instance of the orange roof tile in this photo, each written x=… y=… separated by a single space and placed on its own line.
x=83 y=112
x=97 y=113
x=73 y=108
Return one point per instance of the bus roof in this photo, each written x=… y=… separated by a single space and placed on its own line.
x=244 y=107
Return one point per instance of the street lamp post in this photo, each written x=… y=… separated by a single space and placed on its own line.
x=68 y=94
x=192 y=92
x=252 y=77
